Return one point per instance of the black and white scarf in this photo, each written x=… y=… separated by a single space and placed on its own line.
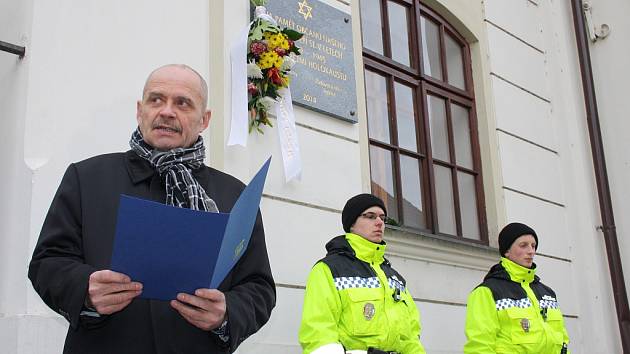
x=175 y=166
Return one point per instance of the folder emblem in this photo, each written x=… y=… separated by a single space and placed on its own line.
x=239 y=249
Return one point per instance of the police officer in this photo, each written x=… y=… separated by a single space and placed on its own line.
x=512 y=311
x=354 y=299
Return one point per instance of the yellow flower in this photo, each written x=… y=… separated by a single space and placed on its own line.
x=275 y=40
x=278 y=62
x=268 y=59
x=284 y=43
x=270 y=38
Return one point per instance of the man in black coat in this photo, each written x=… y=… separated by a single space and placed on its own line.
x=69 y=267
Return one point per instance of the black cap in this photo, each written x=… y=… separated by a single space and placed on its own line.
x=511 y=232
x=357 y=205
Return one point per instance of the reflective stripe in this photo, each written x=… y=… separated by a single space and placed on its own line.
x=508 y=303
x=548 y=302
x=396 y=283
x=342 y=283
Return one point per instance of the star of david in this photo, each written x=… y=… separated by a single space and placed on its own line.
x=305 y=10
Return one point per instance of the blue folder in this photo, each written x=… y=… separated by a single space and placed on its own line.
x=171 y=250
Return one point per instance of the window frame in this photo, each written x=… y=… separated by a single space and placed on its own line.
x=422 y=86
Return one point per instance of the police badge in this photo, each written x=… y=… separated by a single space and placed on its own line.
x=525 y=325
x=368 y=311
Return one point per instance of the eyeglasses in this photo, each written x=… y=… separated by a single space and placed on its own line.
x=373 y=216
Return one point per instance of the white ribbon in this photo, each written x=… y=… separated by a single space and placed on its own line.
x=287 y=135
x=240 y=114
x=283 y=108
x=261 y=12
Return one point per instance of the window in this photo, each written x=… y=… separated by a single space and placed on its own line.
x=424 y=147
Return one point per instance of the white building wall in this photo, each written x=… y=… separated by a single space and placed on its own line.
x=71 y=97
x=610 y=57
x=299 y=216
x=545 y=160
x=74 y=94
x=534 y=110
x=15 y=20
x=589 y=263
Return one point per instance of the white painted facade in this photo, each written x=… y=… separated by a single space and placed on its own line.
x=73 y=96
x=609 y=58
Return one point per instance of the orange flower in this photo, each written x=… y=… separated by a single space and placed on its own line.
x=274 y=75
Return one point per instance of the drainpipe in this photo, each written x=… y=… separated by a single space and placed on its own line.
x=601 y=177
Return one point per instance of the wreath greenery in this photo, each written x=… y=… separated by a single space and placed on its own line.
x=271 y=54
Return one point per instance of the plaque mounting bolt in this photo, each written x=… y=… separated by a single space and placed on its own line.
x=352 y=113
x=346 y=20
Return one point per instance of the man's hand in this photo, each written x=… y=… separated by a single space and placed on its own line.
x=204 y=310
x=110 y=292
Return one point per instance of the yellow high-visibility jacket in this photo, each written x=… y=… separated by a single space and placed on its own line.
x=513 y=312
x=355 y=298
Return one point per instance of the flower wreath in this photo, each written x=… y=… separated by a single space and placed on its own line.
x=271 y=53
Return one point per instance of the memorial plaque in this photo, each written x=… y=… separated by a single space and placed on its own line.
x=324 y=74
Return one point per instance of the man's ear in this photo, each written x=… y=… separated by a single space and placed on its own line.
x=206 y=119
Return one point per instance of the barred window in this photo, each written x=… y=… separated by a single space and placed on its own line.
x=422 y=127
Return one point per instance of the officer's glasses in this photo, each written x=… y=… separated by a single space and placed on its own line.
x=373 y=216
